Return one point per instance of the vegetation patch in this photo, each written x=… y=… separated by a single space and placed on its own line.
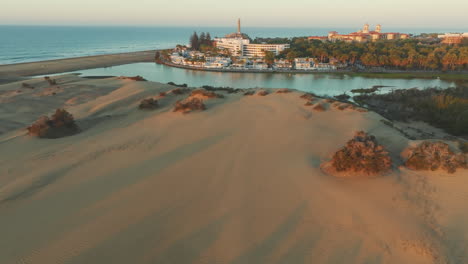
x=179 y=91
x=262 y=93
x=27 y=85
x=342 y=97
x=137 y=78
x=148 y=104
x=178 y=85
x=433 y=156
x=319 y=107
x=205 y=93
x=284 y=90
x=248 y=93
x=446 y=109
x=308 y=96
x=223 y=89
x=189 y=105
x=61 y=124
x=366 y=91
x=362 y=156
x=51 y=81
x=463 y=146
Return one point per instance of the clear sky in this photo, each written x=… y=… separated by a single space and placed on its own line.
x=263 y=13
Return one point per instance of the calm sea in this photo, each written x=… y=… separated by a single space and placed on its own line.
x=36 y=43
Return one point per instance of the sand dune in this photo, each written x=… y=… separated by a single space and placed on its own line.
x=237 y=183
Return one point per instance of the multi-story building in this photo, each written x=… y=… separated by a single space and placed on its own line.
x=239 y=44
x=453 y=38
x=303 y=63
x=362 y=35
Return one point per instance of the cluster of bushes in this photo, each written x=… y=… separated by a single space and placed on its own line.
x=362 y=155
x=27 y=85
x=51 y=81
x=60 y=124
x=178 y=85
x=284 y=90
x=262 y=93
x=189 y=105
x=433 y=156
x=446 y=109
x=148 y=104
x=224 y=89
x=137 y=78
x=205 y=93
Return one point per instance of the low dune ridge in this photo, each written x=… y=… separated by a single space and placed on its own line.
x=237 y=183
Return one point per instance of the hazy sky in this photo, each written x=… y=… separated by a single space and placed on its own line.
x=286 y=13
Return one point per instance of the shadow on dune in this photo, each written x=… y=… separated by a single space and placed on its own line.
x=261 y=252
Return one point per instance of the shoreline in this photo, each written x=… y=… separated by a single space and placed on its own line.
x=453 y=76
x=18 y=71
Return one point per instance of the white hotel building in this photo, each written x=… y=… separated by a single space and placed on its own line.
x=238 y=44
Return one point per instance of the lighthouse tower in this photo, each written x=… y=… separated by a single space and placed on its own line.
x=238 y=26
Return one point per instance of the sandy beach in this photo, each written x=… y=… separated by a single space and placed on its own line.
x=237 y=183
x=12 y=72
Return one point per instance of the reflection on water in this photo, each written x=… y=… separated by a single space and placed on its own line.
x=321 y=84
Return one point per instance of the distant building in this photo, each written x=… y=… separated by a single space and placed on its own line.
x=238 y=44
x=451 y=38
x=282 y=64
x=363 y=35
x=303 y=63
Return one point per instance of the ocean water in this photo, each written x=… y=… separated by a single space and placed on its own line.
x=35 y=43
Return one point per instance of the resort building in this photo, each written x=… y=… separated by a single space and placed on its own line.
x=303 y=63
x=363 y=35
x=282 y=64
x=451 y=38
x=238 y=44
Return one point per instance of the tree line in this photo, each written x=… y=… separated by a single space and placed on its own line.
x=410 y=54
x=201 y=42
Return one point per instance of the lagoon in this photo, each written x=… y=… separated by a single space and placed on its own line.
x=318 y=83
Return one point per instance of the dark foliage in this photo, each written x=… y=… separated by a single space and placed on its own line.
x=148 y=104
x=434 y=156
x=446 y=109
x=363 y=155
x=189 y=105
x=61 y=124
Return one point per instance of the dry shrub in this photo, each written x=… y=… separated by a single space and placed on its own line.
x=284 y=90
x=341 y=107
x=149 y=104
x=328 y=100
x=262 y=93
x=27 y=85
x=319 y=107
x=179 y=91
x=361 y=156
x=463 y=146
x=178 y=85
x=50 y=81
x=249 y=93
x=205 y=93
x=308 y=96
x=189 y=105
x=162 y=94
x=61 y=124
x=308 y=103
x=433 y=156
x=361 y=110
x=137 y=78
